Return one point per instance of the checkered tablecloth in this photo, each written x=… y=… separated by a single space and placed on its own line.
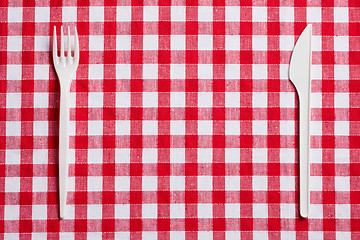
x=183 y=120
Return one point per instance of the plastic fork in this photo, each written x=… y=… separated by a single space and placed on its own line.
x=65 y=67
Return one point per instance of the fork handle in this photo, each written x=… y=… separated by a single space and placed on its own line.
x=63 y=148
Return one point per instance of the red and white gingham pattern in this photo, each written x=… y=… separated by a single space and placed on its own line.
x=183 y=120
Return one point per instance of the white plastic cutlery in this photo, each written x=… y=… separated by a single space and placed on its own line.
x=65 y=67
x=300 y=75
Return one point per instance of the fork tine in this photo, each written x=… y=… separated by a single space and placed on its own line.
x=76 y=44
x=55 y=54
x=69 y=46
x=62 y=41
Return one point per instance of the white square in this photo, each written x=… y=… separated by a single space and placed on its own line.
x=260 y=235
x=313 y=14
x=40 y=128
x=14 y=43
x=205 y=71
x=286 y=14
x=341 y=100
x=315 y=235
x=260 y=210
x=287 y=42
x=205 y=235
x=150 y=128
x=149 y=183
x=205 y=183
x=177 y=99
x=260 y=183
x=97 y=235
x=287 y=210
x=177 y=42
x=233 y=235
x=96 y=14
x=40 y=184
x=316 y=128
x=341 y=128
x=151 y=13
x=284 y=72
x=205 y=99
x=41 y=156
x=95 y=99
x=316 y=183
x=205 y=42
x=316 y=72
x=177 y=127
x=11 y=212
x=123 y=99
x=259 y=14
x=95 y=184
x=232 y=13
x=38 y=235
x=316 y=43
x=205 y=155
x=13 y=100
x=150 y=42
x=178 y=235
x=343 y=235
x=12 y=156
x=316 y=155
x=122 y=183
x=94 y=211
x=342 y=156
x=12 y=184
x=287 y=99
x=259 y=127
x=232 y=183
x=178 y=13
x=177 y=211
x=177 y=71
x=259 y=155
x=342 y=211
x=287 y=183
x=69 y=14
x=205 y=211
x=288 y=235
x=232 y=155
x=341 y=14
x=123 y=71
x=287 y=127
x=123 y=42
x=341 y=43
x=259 y=42
x=150 y=71
x=123 y=13
x=13 y=72
x=41 y=72
x=42 y=14
x=341 y=72
x=95 y=156
x=205 y=128
x=150 y=99
x=150 y=155
x=232 y=99
x=122 y=211
x=122 y=155
x=259 y=99
x=232 y=210
x=96 y=43
x=149 y=210
x=342 y=184
x=232 y=127
x=316 y=211
x=71 y=184
x=96 y=71
x=149 y=235
x=177 y=183
x=316 y=100
x=67 y=235
x=205 y=14
x=259 y=71
x=232 y=71
x=13 y=128
x=15 y=14
x=232 y=42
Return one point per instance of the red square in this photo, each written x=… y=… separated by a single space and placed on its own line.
x=137 y=2
x=2 y=173
x=327 y=57
x=219 y=113
x=163 y=113
x=245 y=169
x=246 y=141
x=274 y=113
x=273 y=141
x=136 y=57
x=136 y=169
x=53 y=225
x=81 y=114
x=27 y=114
x=110 y=57
x=355 y=197
x=329 y=3
x=354 y=169
x=191 y=141
x=27 y=86
x=273 y=57
x=3 y=57
x=109 y=113
x=191 y=2
x=164 y=3
x=164 y=85
x=135 y=225
x=191 y=197
x=109 y=85
x=81 y=142
x=218 y=169
x=80 y=225
x=218 y=141
x=191 y=224
x=108 y=225
x=108 y=197
x=136 y=113
x=28 y=29
x=110 y=28
x=328 y=169
x=273 y=3
x=163 y=169
x=246 y=197
x=191 y=113
x=137 y=28
x=354 y=86
x=163 y=141
x=135 y=197
x=354 y=57
x=246 y=28
x=354 y=141
x=164 y=27
x=299 y=27
x=327 y=86
x=26 y=142
x=81 y=169
x=219 y=85
x=328 y=141
x=191 y=28
x=109 y=141
x=81 y=198
x=219 y=28
x=300 y=3
x=108 y=169
x=219 y=2
x=26 y=170
x=329 y=224
x=52 y=198
x=25 y=198
x=56 y=3
x=354 y=29
x=164 y=57
x=191 y=56
x=246 y=57
x=328 y=114
x=191 y=169
x=245 y=113
x=246 y=224
x=2 y=114
x=83 y=29
x=163 y=197
x=274 y=224
x=273 y=196
x=302 y=225
x=163 y=224
x=245 y=85
x=25 y=226
x=273 y=28
x=328 y=197
x=136 y=85
x=3 y=30
x=219 y=57
x=355 y=225
x=191 y=85
x=273 y=169
x=218 y=196
x=219 y=224
x=273 y=85
x=327 y=29
x=28 y=57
